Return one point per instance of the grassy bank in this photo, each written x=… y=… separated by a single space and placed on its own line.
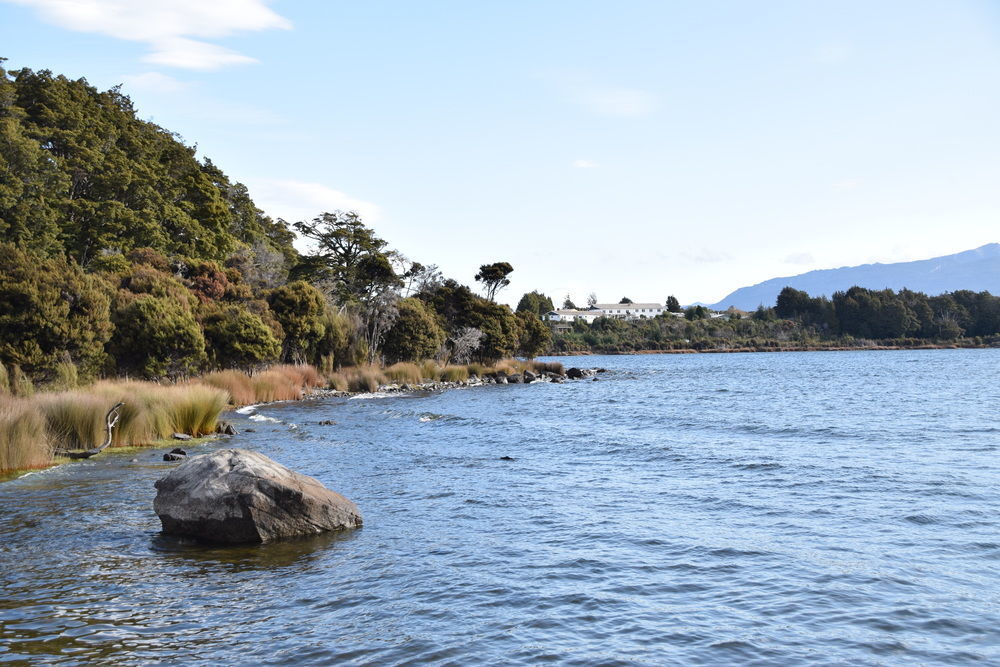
x=35 y=426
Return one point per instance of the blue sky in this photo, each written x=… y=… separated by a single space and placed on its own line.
x=636 y=148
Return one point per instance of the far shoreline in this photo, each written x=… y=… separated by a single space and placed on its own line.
x=801 y=348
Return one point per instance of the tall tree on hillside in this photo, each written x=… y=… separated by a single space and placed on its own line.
x=592 y=300
x=568 y=303
x=673 y=305
x=625 y=300
x=494 y=277
x=342 y=242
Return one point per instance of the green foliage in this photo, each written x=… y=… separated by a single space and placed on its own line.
x=49 y=307
x=299 y=308
x=535 y=337
x=696 y=313
x=415 y=335
x=145 y=279
x=80 y=173
x=336 y=341
x=494 y=277
x=535 y=302
x=343 y=245
x=155 y=337
x=673 y=305
x=626 y=300
x=237 y=338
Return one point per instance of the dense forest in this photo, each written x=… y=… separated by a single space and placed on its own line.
x=123 y=253
x=858 y=317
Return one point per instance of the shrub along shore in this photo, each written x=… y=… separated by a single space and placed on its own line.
x=34 y=427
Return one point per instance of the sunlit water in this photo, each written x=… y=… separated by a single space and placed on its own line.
x=773 y=508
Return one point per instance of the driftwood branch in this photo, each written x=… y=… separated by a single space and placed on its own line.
x=110 y=421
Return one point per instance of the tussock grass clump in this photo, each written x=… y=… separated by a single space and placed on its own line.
x=364 y=379
x=238 y=384
x=194 y=408
x=478 y=370
x=548 y=367
x=74 y=420
x=4 y=380
x=455 y=373
x=65 y=374
x=20 y=383
x=24 y=440
x=429 y=370
x=405 y=372
x=505 y=367
x=301 y=375
x=338 y=382
x=275 y=386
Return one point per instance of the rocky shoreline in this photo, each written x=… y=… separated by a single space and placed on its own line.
x=491 y=378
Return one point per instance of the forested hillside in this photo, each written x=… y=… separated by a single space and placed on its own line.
x=122 y=252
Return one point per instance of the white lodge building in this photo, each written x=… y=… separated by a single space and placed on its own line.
x=617 y=311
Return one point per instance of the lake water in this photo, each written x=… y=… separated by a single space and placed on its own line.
x=792 y=508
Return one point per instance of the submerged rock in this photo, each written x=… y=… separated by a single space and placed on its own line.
x=234 y=496
x=225 y=428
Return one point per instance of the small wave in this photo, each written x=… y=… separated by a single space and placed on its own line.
x=758 y=466
x=921 y=519
x=263 y=418
x=247 y=409
x=376 y=394
x=430 y=416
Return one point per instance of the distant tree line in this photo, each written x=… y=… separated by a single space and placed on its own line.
x=855 y=317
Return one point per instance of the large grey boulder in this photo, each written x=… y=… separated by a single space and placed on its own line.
x=235 y=496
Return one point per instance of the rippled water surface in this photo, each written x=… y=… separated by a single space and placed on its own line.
x=774 y=508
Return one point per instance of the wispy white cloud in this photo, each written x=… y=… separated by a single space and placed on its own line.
x=301 y=200
x=154 y=82
x=167 y=26
x=585 y=164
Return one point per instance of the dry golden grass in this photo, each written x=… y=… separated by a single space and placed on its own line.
x=275 y=386
x=429 y=370
x=238 y=384
x=455 y=373
x=31 y=428
x=24 y=440
x=364 y=378
x=338 y=381
x=548 y=367
x=405 y=373
x=302 y=375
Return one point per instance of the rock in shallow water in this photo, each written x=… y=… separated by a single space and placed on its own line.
x=234 y=496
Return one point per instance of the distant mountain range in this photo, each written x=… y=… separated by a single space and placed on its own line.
x=975 y=270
